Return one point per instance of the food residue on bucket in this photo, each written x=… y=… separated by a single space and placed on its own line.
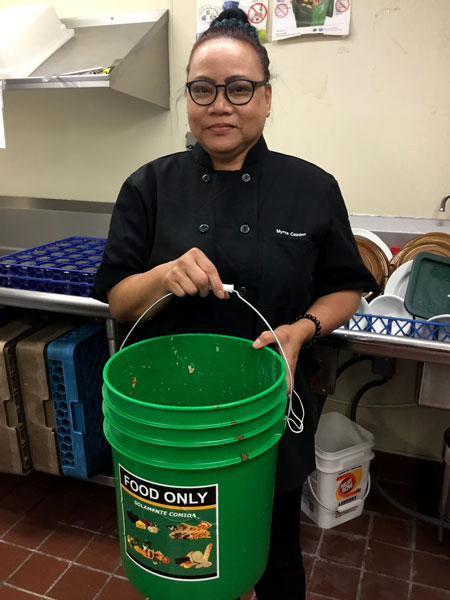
x=217 y=349
x=191 y=369
x=244 y=457
x=133 y=385
x=239 y=438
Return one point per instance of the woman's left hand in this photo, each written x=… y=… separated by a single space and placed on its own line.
x=289 y=340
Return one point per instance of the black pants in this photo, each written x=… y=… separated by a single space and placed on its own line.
x=284 y=577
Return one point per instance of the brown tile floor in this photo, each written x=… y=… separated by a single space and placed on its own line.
x=58 y=541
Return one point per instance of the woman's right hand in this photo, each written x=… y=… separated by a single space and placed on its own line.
x=193 y=274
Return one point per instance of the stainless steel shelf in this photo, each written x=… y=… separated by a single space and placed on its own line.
x=75 y=305
x=353 y=341
x=389 y=345
x=135 y=44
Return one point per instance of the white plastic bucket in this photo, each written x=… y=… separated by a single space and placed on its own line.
x=335 y=492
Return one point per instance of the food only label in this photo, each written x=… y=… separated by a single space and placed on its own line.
x=171 y=531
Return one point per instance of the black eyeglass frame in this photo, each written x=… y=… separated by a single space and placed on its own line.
x=254 y=84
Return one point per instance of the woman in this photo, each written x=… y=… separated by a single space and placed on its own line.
x=233 y=212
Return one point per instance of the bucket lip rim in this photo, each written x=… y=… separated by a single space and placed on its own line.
x=171 y=407
x=274 y=439
x=278 y=411
x=196 y=427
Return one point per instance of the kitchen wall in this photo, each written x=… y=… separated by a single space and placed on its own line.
x=372 y=108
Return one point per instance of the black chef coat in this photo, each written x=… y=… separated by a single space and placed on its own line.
x=277 y=229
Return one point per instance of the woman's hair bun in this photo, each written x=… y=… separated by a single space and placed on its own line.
x=233 y=23
x=231 y=13
x=235 y=18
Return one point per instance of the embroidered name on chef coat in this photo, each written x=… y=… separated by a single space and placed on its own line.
x=289 y=233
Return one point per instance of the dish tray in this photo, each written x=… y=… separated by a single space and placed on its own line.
x=428 y=291
x=66 y=266
x=414 y=328
x=75 y=364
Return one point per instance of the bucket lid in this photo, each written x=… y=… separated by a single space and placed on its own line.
x=338 y=436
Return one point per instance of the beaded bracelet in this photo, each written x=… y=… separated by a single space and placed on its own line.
x=316 y=322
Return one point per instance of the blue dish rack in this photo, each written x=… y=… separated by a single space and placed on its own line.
x=412 y=328
x=75 y=364
x=66 y=266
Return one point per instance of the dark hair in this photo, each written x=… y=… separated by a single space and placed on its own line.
x=233 y=23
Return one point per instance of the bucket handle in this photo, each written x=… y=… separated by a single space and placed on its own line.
x=294 y=422
x=343 y=508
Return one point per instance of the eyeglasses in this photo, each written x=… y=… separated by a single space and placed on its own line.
x=238 y=91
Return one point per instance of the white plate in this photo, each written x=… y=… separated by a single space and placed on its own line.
x=390 y=306
x=360 y=323
x=397 y=284
x=375 y=239
x=442 y=331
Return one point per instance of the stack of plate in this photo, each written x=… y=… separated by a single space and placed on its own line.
x=415 y=284
x=375 y=254
x=436 y=243
x=397 y=284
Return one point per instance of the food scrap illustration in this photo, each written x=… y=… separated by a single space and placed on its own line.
x=184 y=531
x=196 y=559
x=146 y=548
x=143 y=523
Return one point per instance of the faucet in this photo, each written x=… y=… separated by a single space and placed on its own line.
x=444 y=202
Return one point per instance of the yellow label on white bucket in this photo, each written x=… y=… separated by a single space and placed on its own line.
x=348 y=483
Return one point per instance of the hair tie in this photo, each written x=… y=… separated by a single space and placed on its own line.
x=233 y=22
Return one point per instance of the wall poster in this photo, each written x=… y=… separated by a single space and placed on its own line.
x=291 y=18
x=256 y=11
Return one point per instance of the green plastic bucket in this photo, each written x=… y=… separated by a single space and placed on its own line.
x=308 y=15
x=194 y=421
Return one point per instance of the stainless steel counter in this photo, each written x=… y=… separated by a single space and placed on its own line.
x=74 y=305
x=61 y=303
x=389 y=345
x=353 y=341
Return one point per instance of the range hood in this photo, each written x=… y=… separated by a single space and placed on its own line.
x=124 y=52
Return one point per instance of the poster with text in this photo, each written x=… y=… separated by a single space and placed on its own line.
x=291 y=18
x=256 y=12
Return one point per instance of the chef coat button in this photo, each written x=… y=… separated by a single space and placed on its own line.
x=206 y=178
x=244 y=228
x=246 y=177
x=242 y=291
x=204 y=227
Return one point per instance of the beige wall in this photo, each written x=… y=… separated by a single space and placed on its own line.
x=373 y=108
